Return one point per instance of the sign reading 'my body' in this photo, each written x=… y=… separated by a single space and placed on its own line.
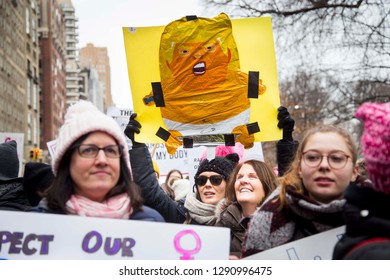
x=26 y=235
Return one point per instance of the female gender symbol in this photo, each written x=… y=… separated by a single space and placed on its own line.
x=187 y=254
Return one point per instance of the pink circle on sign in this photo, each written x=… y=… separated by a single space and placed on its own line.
x=187 y=254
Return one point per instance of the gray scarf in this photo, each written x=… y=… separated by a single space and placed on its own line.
x=202 y=213
x=271 y=227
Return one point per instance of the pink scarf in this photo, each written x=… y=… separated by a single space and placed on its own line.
x=117 y=207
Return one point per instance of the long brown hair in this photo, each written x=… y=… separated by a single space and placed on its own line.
x=292 y=179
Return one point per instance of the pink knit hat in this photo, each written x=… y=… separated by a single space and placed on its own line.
x=82 y=118
x=376 y=143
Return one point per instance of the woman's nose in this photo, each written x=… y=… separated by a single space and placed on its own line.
x=101 y=156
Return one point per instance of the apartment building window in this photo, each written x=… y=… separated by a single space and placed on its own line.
x=27 y=20
x=33 y=31
x=28 y=91
x=29 y=128
x=35 y=96
x=35 y=129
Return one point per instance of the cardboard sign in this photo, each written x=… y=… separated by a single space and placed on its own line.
x=27 y=235
x=316 y=247
x=255 y=45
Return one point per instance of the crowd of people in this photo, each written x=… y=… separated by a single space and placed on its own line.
x=322 y=183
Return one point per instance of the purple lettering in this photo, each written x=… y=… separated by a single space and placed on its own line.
x=45 y=239
x=5 y=236
x=86 y=240
x=26 y=250
x=16 y=239
x=115 y=248
x=127 y=244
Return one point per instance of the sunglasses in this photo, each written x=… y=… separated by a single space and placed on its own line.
x=215 y=180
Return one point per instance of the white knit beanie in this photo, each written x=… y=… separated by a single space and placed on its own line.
x=82 y=118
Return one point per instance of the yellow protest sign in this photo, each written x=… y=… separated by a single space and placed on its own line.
x=204 y=76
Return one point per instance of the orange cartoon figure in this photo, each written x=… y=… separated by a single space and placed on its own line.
x=202 y=90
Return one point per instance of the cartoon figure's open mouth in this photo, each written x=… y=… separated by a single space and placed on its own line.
x=199 y=68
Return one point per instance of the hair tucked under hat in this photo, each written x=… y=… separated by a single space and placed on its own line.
x=82 y=118
x=221 y=165
x=376 y=143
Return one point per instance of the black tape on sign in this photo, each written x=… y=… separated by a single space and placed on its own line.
x=253 y=127
x=188 y=142
x=192 y=17
x=253 y=84
x=158 y=94
x=229 y=139
x=163 y=134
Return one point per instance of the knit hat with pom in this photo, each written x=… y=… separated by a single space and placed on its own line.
x=376 y=143
x=83 y=118
x=221 y=165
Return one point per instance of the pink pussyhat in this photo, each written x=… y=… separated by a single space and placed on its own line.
x=376 y=143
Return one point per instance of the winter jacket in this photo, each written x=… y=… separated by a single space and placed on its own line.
x=271 y=227
x=230 y=216
x=154 y=196
x=189 y=210
x=13 y=196
x=144 y=214
x=367 y=216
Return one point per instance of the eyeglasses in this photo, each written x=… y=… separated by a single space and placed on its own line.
x=336 y=160
x=91 y=151
x=215 y=180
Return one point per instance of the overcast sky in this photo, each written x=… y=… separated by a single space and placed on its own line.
x=101 y=22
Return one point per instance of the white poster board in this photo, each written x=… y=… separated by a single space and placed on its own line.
x=316 y=247
x=27 y=235
x=19 y=138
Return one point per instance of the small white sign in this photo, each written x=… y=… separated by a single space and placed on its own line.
x=121 y=116
x=316 y=247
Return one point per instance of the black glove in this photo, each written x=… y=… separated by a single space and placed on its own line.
x=133 y=127
x=286 y=122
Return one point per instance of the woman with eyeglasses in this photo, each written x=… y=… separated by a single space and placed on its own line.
x=198 y=207
x=91 y=168
x=310 y=198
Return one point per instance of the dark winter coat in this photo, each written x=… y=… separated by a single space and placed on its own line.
x=367 y=215
x=154 y=196
x=230 y=216
x=13 y=196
